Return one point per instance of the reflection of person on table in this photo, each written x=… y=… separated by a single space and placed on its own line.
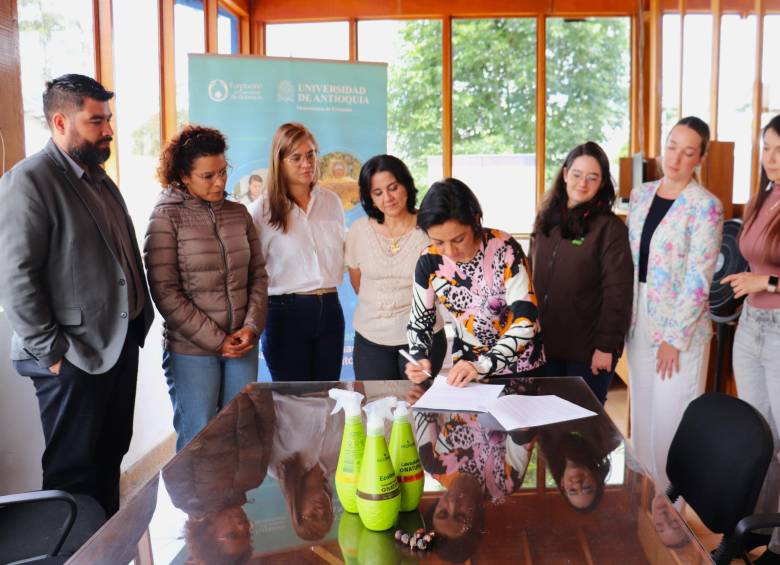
x=210 y=478
x=457 y=517
x=452 y=445
x=481 y=277
x=304 y=455
x=668 y=524
x=577 y=451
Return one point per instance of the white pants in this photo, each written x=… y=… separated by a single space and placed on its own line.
x=657 y=405
x=757 y=372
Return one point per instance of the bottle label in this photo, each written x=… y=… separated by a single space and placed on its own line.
x=383 y=496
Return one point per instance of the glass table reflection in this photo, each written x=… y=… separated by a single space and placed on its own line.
x=256 y=486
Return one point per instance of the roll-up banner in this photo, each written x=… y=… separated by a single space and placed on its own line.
x=343 y=104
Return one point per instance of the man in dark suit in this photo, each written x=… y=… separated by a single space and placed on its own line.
x=73 y=288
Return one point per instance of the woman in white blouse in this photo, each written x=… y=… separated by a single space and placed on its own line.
x=382 y=251
x=302 y=231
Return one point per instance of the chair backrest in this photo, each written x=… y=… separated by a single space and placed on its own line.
x=719 y=458
x=46 y=524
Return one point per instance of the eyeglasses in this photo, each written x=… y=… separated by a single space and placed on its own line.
x=297 y=159
x=591 y=178
x=210 y=177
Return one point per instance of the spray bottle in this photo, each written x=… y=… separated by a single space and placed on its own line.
x=378 y=495
x=406 y=459
x=352 y=443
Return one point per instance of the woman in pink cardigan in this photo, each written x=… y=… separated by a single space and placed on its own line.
x=674 y=229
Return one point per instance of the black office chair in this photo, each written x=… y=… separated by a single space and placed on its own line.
x=717 y=462
x=46 y=526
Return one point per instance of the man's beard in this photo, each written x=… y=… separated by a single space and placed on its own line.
x=88 y=153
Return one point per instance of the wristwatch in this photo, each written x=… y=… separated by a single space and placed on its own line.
x=772 y=284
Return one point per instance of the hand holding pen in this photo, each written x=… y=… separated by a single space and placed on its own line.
x=416 y=371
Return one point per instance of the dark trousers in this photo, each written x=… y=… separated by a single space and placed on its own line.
x=87 y=422
x=598 y=382
x=304 y=337
x=375 y=362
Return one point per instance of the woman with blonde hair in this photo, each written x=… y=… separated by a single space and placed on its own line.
x=302 y=233
x=674 y=230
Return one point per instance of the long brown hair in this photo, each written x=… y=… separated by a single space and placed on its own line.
x=279 y=201
x=755 y=204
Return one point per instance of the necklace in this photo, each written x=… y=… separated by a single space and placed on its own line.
x=773 y=206
x=393 y=244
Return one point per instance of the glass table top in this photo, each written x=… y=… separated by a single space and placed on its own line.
x=257 y=486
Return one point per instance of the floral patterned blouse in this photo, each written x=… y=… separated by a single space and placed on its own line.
x=491 y=299
x=683 y=253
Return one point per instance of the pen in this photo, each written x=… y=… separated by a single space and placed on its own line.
x=413 y=360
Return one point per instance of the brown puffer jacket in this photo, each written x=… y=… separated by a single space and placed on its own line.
x=206 y=271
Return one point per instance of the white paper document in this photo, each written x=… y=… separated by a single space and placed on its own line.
x=471 y=398
x=516 y=411
x=512 y=412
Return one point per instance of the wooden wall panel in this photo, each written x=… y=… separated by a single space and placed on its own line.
x=726 y=6
x=11 y=114
x=296 y=10
x=103 y=20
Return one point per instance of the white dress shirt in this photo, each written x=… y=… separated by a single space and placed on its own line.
x=310 y=255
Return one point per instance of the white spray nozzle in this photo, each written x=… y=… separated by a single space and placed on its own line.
x=401 y=410
x=378 y=411
x=348 y=400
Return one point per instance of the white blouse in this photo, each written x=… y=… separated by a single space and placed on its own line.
x=310 y=255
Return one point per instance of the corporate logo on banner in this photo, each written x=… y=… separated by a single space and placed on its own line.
x=221 y=90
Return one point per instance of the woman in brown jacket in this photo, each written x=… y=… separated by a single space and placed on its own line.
x=582 y=271
x=207 y=277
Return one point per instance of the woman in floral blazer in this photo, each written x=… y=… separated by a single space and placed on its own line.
x=675 y=227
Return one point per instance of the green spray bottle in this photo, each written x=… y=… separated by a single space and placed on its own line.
x=352 y=442
x=406 y=459
x=378 y=495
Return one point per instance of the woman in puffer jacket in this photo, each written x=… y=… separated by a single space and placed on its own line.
x=207 y=278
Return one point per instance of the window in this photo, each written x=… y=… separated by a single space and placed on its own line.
x=54 y=39
x=670 y=61
x=325 y=40
x=494 y=117
x=770 y=100
x=735 y=95
x=189 y=36
x=227 y=32
x=588 y=78
x=412 y=50
x=697 y=66
x=137 y=105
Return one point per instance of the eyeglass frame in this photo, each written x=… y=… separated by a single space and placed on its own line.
x=210 y=177
x=297 y=159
